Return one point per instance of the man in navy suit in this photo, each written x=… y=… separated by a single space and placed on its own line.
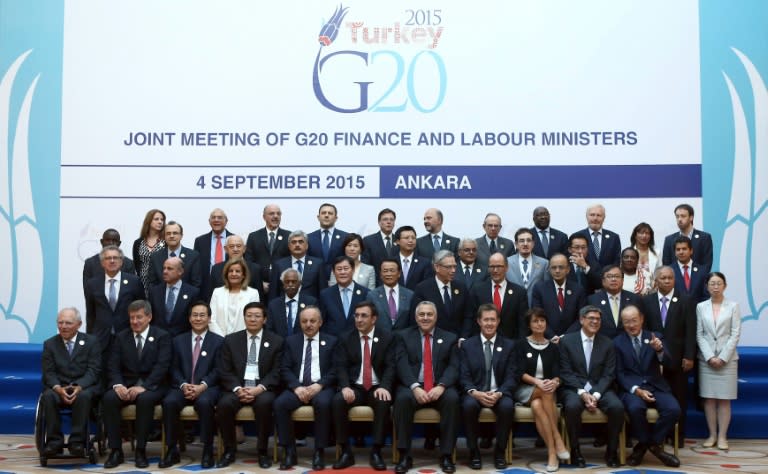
x=487 y=377
x=604 y=245
x=584 y=271
x=435 y=239
x=392 y=300
x=283 y=311
x=338 y=302
x=212 y=245
x=690 y=278
x=547 y=240
x=235 y=249
x=414 y=269
x=491 y=242
x=170 y=300
x=138 y=369
x=508 y=298
x=269 y=244
x=639 y=358
x=308 y=374
x=471 y=269
x=193 y=273
x=560 y=298
x=194 y=380
x=326 y=242
x=612 y=299
x=701 y=241
x=450 y=296
x=92 y=265
x=310 y=268
x=381 y=244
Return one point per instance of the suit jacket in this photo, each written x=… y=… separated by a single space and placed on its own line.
x=179 y=319
x=293 y=355
x=680 y=328
x=315 y=242
x=202 y=246
x=257 y=249
x=277 y=315
x=379 y=296
x=559 y=321
x=702 y=248
x=645 y=371
x=151 y=370
x=101 y=320
x=312 y=280
x=538 y=271
x=610 y=247
x=349 y=358
x=479 y=272
x=558 y=243
x=698 y=289
x=607 y=325
x=206 y=370
x=92 y=267
x=591 y=282
x=425 y=247
x=445 y=357
x=514 y=304
x=234 y=356
x=458 y=320
x=376 y=251
x=193 y=273
x=83 y=368
x=335 y=321
x=574 y=373
x=718 y=340
x=472 y=364
x=504 y=246
x=419 y=269
x=216 y=279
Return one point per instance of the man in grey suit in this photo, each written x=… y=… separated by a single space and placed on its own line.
x=436 y=239
x=525 y=268
x=392 y=300
x=491 y=242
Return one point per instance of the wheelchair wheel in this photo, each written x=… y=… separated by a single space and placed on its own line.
x=40 y=428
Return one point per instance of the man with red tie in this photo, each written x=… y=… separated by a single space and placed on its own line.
x=510 y=299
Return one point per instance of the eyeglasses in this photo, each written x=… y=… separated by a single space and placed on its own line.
x=613 y=277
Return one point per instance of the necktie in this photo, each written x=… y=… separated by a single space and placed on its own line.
x=289 y=304
x=406 y=267
x=436 y=242
x=70 y=346
x=579 y=275
x=615 y=309
x=447 y=299
x=170 y=302
x=367 y=372
x=488 y=358
x=306 y=378
x=428 y=376
x=588 y=351
x=596 y=244
x=497 y=297
x=326 y=245
x=388 y=245
x=112 y=294
x=467 y=274
x=544 y=242
x=525 y=272
x=195 y=356
x=392 y=305
x=686 y=277
x=139 y=345
x=636 y=345
x=345 y=301
x=300 y=266
x=493 y=247
x=560 y=298
x=664 y=311
x=253 y=359
x=271 y=242
x=173 y=254
x=219 y=257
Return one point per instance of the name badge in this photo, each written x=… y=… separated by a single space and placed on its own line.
x=251 y=372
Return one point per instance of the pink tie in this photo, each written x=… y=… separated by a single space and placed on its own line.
x=219 y=257
x=195 y=356
x=392 y=306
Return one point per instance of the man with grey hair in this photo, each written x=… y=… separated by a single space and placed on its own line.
x=310 y=268
x=235 y=249
x=604 y=245
x=491 y=242
x=284 y=310
x=471 y=270
x=269 y=244
x=449 y=295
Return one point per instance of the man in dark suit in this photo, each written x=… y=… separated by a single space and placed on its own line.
x=92 y=266
x=381 y=244
x=612 y=299
x=414 y=269
x=436 y=239
x=392 y=300
x=426 y=385
x=701 y=241
x=138 y=369
x=639 y=358
x=283 y=311
x=547 y=241
x=690 y=278
x=269 y=244
x=194 y=380
x=107 y=298
x=449 y=296
x=508 y=298
x=212 y=245
x=587 y=374
x=170 y=300
x=325 y=243
x=585 y=271
x=338 y=302
x=560 y=299
x=249 y=374
x=604 y=245
x=310 y=268
x=487 y=377
x=471 y=269
x=491 y=242
x=308 y=374
x=673 y=315
x=71 y=370
x=365 y=368
x=235 y=249
x=193 y=273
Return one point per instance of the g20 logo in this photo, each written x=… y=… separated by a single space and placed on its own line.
x=402 y=75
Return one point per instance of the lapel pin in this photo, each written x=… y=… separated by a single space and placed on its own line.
x=509 y=292
x=302 y=305
x=447 y=241
x=375 y=339
x=279 y=237
x=415 y=260
x=674 y=299
x=357 y=292
x=695 y=236
x=695 y=269
x=456 y=291
x=309 y=262
x=602 y=301
x=82 y=342
x=607 y=236
x=125 y=282
x=204 y=353
x=439 y=341
x=501 y=246
x=322 y=343
x=266 y=344
x=498 y=349
x=184 y=297
x=182 y=255
x=567 y=292
x=529 y=355
x=151 y=339
x=478 y=270
x=645 y=341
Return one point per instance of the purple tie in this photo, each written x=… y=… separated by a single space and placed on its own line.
x=195 y=356
x=392 y=305
x=664 y=311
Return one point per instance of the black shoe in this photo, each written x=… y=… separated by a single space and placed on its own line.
x=265 y=462
x=577 y=459
x=289 y=458
x=446 y=464
x=207 y=460
x=318 y=460
x=115 y=459
x=484 y=443
x=669 y=460
x=77 y=450
x=499 y=458
x=406 y=463
x=171 y=457
x=140 y=458
x=636 y=457
x=612 y=460
x=429 y=444
x=377 y=462
x=346 y=460
x=475 y=461
x=600 y=440
x=227 y=458
x=539 y=443
x=53 y=449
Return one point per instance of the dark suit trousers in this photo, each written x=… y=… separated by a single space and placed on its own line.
x=669 y=411
x=287 y=402
x=678 y=382
x=51 y=405
x=205 y=406
x=145 y=411
x=227 y=409
x=406 y=406
x=505 y=416
x=362 y=397
x=609 y=403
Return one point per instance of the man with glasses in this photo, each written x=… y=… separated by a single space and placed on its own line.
x=449 y=295
x=612 y=299
x=584 y=270
x=471 y=270
x=193 y=267
x=491 y=242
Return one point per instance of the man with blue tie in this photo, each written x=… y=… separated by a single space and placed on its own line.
x=414 y=269
x=605 y=246
x=193 y=271
x=547 y=240
x=585 y=271
x=310 y=268
x=170 y=299
x=337 y=302
x=284 y=310
x=392 y=300
x=435 y=239
x=326 y=242
x=381 y=244
x=471 y=269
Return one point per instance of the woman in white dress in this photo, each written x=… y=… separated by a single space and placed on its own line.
x=636 y=279
x=364 y=274
x=228 y=301
x=718 y=327
x=643 y=240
